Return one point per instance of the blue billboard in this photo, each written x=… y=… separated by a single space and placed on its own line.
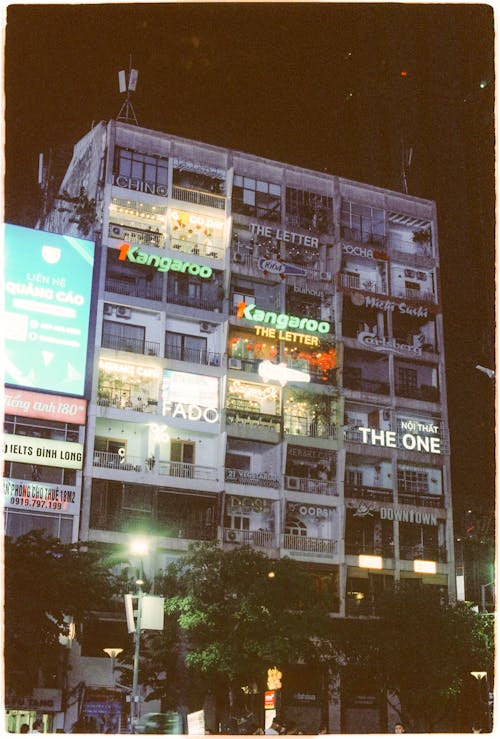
x=48 y=283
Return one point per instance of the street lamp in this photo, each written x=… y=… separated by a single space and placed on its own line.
x=113 y=653
x=139 y=548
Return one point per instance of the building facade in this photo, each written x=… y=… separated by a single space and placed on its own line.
x=268 y=369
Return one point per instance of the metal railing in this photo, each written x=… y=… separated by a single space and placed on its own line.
x=308 y=485
x=428 y=393
x=201 y=303
x=253 y=479
x=196 y=356
x=369 y=386
x=309 y=544
x=114 y=461
x=139 y=236
x=257 y=538
x=417 y=499
x=253 y=418
x=423 y=551
x=186 y=470
x=368 y=492
x=197 y=197
x=299 y=426
x=198 y=249
x=147 y=290
x=123 y=399
x=125 y=344
x=417 y=296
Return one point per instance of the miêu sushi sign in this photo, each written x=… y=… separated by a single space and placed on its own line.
x=410 y=440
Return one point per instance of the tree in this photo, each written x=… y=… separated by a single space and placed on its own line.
x=44 y=582
x=419 y=653
x=240 y=613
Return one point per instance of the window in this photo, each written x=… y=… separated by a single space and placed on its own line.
x=18 y=524
x=149 y=169
x=295 y=527
x=308 y=209
x=354 y=478
x=125 y=336
x=185 y=348
x=362 y=222
x=406 y=379
x=413 y=481
x=182 y=451
x=257 y=198
x=237 y=521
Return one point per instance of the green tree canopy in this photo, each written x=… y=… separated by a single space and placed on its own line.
x=419 y=653
x=45 y=581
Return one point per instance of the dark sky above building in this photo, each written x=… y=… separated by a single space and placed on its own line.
x=329 y=86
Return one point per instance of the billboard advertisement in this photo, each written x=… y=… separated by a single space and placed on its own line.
x=47 y=407
x=48 y=282
x=49 y=452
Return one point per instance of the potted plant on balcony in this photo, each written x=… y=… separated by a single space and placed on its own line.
x=422 y=236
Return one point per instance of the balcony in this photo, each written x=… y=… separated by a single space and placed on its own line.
x=303 y=426
x=201 y=302
x=121 y=399
x=195 y=356
x=416 y=296
x=309 y=545
x=260 y=538
x=356 y=548
x=353 y=382
x=359 y=237
x=126 y=344
x=136 y=236
x=142 y=289
x=185 y=470
x=368 y=492
x=197 y=197
x=111 y=460
x=308 y=485
x=253 y=418
x=251 y=479
x=198 y=249
x=423 y=551
x=428 y=393
x=421 y=499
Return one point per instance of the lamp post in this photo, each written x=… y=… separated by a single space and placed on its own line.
x=113 y=653
x=139 y=548
x=480 y=675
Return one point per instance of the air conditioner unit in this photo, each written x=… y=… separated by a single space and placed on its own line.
x=325 y=275
x=108 y=309
x=234 y=363
x=293 y=483
x=410 y=273
x=206 y=328
x=421 y=276
x=237 y=257
x=123 y=312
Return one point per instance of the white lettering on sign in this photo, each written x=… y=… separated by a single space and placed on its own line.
x=408 y=515
x=382 y=343
x=381 y=437
x=288 y=236
x=309 y=510
x=190 y=412
x=130 y=370
x=246 y=505
x=390 y=305
x=132 y=183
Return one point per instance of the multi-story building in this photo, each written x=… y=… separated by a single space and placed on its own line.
x=268 y=369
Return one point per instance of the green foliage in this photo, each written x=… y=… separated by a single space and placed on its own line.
x=235 y=621
x=44 y=581
x=420 y=650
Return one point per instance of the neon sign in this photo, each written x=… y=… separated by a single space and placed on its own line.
x=129 y=370
x=280 y=320
x=280 y=372
x=162 y=264
x=253 y=392
x=270 y=333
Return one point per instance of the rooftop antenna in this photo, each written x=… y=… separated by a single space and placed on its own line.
x=128 y=82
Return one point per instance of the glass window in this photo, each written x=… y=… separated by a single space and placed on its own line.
x=149 y=169
x=18 y=524
x=257 y=198
x=413 y=481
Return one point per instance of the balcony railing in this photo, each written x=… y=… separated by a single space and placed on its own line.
x=123 y=400
x=252 y=479
x=184 y=469
x=114 y=461
x=202 y=303
x=427 y=393
x=309 y=544
x=383 y=550
x=417 y=296
x=139 y=236
x=421 y=499
x=367 y=386
x=125 y=344
x=301 y=426
x=196 y=356
x=253 y=418
x=257 y=538
x=197 y=197
x=307 y=485
x=202 y=250
x=147 y=290
x=423 y=551
x=368 y=492
x=358 y=236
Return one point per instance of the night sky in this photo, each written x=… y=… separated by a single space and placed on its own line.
x=314 y=84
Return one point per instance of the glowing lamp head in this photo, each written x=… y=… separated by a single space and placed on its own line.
x=139 y=547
